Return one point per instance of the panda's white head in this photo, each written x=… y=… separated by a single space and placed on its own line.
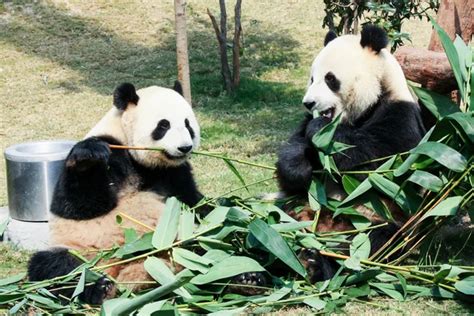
x=351 y=73
x=157 y=117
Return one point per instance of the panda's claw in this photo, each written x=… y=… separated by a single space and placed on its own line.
x=249 y=279
x=88 y=153
x=318 y=267
x=96 y=293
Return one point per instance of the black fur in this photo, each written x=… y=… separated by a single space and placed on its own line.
x=125 y=94
x=387 y=128
x=56 y=262
x=178 y=87
x=329 y=37
x=374 y=37
x=94 y=175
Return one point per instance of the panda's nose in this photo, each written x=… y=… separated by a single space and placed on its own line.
x=185 y=149
x=309 y=105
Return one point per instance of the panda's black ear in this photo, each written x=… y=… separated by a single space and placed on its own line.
x=329 y=37
x=178 y=87
x=373 y=37
x=125 y=94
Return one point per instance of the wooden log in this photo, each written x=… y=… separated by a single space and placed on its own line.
x=430 y=69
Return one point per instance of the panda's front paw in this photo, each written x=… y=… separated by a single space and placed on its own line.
x=96 y=293
x=315 y=125
x=88 y=153
x=249 y=283
x=294 y=168
x=318 y=267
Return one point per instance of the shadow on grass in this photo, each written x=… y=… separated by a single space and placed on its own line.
x=105 y=59
x=260 y=114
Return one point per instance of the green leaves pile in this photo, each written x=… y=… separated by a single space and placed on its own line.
x=249 y=235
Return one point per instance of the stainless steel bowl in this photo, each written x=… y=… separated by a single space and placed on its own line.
x=32 y=172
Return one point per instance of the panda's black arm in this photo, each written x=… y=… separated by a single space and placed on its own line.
x=86 y=188
x=295 y=162
x=184 y=187
x=393 y=128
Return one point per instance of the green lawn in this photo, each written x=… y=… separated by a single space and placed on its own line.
x=60 y=61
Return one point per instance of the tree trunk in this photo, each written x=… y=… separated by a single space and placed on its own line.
x=221 y=35
x=182 y=48
x=455 y=17
x=236 y=45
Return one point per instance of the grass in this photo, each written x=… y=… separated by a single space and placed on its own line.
x=62 y=59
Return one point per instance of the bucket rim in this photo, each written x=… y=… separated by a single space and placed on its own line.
x=14 y=154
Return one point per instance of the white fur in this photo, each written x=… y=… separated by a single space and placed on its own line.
x=362 y=73
x=134 y=126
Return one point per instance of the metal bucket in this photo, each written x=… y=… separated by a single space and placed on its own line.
x=32 y=172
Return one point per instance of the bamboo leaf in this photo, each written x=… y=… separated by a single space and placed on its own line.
x=151 y=308
x=360 y=291
x=12 y=279
x=406 y=165
x=186 y=225
x=317 y=195
x=448 y=207
x=389 y=290
x=466 y=285
x=123 y=306
x=191 y=260
x=227 y=268
x=451 y=53
x=465 y=121
x=291 y=227
x=443 y=154
x=360 y=247
x=275 y=244
x=163 y=275
x=315 y=303
x=403 y=284
x=322 y=139
x=141 y=244
x=364 y=186
x=167 y=228
x=278 y=294
x=439 y=105
x=426 y=180
x=391 y=189
x=236 y=172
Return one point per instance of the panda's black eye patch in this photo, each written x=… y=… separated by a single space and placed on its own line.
x=332 y=82
x=160 y=131
x=189 y=128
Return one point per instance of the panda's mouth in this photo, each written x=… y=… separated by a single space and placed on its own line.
x=174 y=157
x=329 y=113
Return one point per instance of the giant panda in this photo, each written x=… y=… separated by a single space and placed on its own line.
x=97 y=183
x=354 y=77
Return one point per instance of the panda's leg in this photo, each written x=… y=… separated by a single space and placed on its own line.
x=56 y=262
x=321 y=268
